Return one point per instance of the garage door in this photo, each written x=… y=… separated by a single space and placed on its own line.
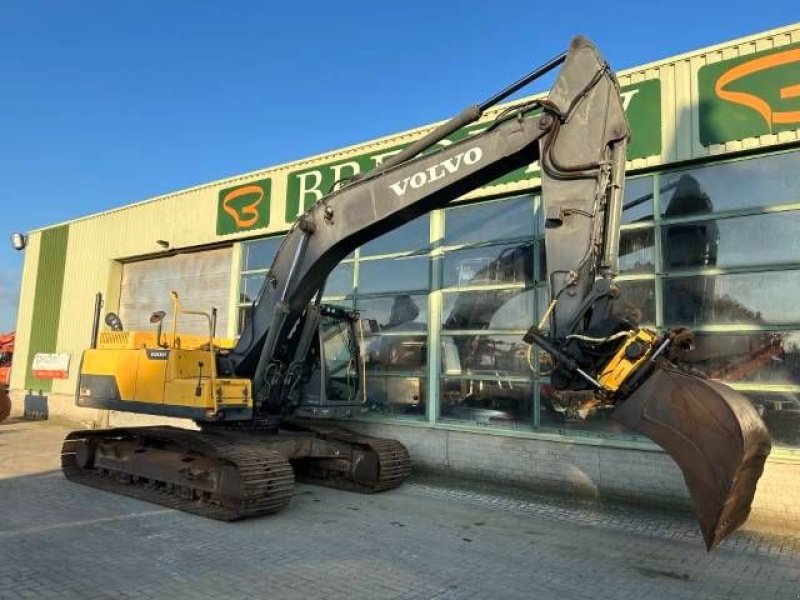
x=202 y=280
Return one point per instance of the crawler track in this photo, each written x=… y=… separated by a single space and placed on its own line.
x=393 y=465
x=265 y=478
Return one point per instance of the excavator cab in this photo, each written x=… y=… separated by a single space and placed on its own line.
x=335 y=386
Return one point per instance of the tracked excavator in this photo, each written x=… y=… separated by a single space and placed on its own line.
x=261 y=405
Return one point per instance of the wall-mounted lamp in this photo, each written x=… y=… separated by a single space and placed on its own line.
x=19 y=241
x=163 y=243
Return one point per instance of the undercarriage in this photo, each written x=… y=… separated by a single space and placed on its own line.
x=228 y=474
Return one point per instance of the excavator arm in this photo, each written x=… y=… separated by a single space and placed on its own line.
x=713 y=433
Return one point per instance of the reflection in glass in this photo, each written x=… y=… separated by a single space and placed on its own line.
x=402 y=312
x=259 y=254
x=767 y=357
x=341 y=375
x=490 y=265
x=637 y=302
x=490 y=309
x=746 y=298
x=576 y=411
x=781 y=414
x=637 y=204
x=414 y=236
x=690 y=245
x=487 y=402
x=502 y=219
x=741 y=184
x=387 y=395
x=393 y=275
x=736 y=242
x=341 y=302
x=406 y=353
x=249 y=286
x=245 y=312
x=494 y=355
x=340 y=280
x=637 y=251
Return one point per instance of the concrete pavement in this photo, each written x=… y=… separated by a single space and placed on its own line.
x=428 y=539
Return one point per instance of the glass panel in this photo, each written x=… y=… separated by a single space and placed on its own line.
x=745 y=183
x=341 y=376
x=404 y=353
x=576 y=411
x=756 y=298
x=637 y=204
x=496 y=309
x=737 y=242
x=413 y=236
x=393 y=274
x=499 y=220
x=249 y=286
x=637 y=251
x=340 y=281
x=497 y=403
x=245 y=312
x=637 y=302
x=490 y=265
x=492 y=355
x=259 y=254
x=758 y=357
x=403 y=312
x=395 y=396
x=781 y=414
x=342 y=302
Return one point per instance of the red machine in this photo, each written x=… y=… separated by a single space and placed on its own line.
x=6 y=354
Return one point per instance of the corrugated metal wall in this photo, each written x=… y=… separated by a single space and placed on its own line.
x=201 y=279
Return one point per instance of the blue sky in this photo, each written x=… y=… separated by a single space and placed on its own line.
x=105 y=103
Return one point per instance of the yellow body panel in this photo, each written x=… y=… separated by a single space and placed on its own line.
x=122 y=364
x=620 y=367
x=130 y=369
x=147 y=339
x=150 y=378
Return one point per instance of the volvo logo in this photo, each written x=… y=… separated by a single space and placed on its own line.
x=437 y=171
x=158 y=354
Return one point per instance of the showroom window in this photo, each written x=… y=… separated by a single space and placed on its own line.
x=257 y=257
x=446 y=298
x=488 y=300
x=391 y=296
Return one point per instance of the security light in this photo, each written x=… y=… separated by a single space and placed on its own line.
x=163 y=243
x=19 y=241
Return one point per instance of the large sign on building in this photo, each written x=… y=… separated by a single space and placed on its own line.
x=244 y=207
x=749 y=96
x=642 y=105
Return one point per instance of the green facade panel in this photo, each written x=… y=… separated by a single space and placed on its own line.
x=47 y=301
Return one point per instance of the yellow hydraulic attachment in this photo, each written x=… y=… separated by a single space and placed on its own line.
x=637 y=348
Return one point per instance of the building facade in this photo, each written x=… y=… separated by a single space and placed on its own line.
x=710 y=240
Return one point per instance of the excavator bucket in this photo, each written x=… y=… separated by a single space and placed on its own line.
x=714 y=434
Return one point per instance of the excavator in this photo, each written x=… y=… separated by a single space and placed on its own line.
x=268 y=406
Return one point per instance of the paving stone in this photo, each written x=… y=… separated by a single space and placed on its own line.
x=429 y=539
